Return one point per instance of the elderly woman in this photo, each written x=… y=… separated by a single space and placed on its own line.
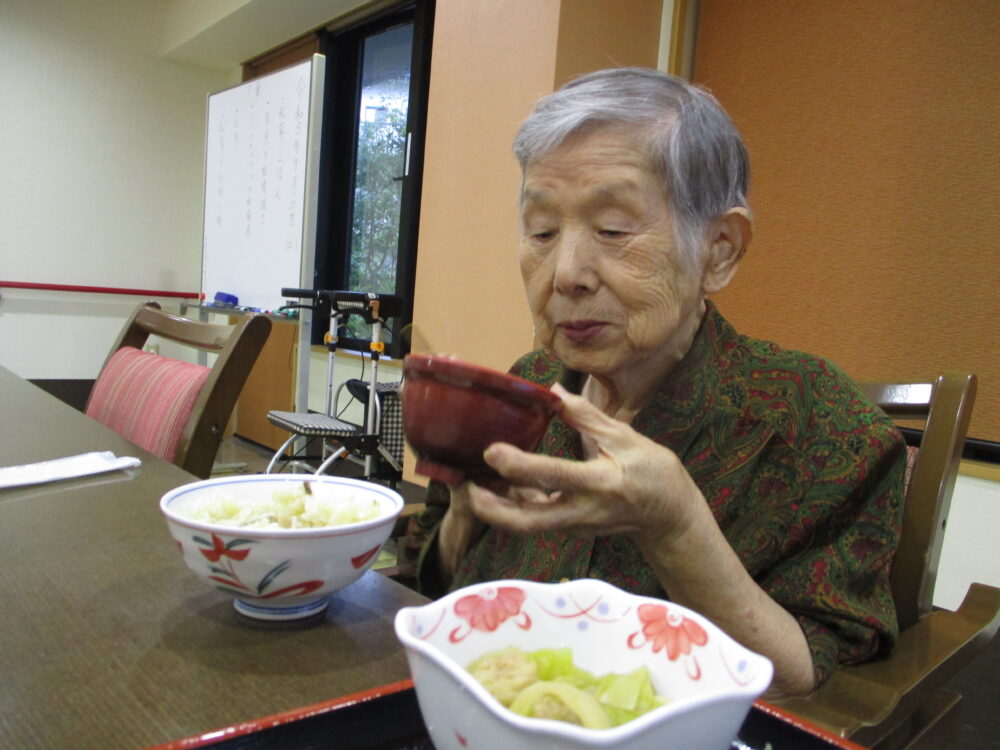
x=752 y=484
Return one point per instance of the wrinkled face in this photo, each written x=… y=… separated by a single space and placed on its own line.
x=605 y=282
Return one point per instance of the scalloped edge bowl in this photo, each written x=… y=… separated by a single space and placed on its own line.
x=710 y=679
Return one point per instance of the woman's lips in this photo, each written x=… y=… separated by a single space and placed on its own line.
x=581 y=331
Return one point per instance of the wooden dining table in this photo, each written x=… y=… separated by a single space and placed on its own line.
x=107 y=640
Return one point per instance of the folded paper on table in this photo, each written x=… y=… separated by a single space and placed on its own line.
x=83 y=465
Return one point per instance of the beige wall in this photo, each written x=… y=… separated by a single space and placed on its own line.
x=492 y=59
x=102 y=147
x=872 y=129
x=596 y=34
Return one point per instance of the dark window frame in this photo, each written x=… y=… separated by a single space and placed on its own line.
x=342 y=45
x=343 y=49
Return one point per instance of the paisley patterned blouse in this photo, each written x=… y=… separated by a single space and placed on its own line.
x=803 y=474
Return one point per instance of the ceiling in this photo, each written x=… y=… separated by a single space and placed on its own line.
x=224 y=33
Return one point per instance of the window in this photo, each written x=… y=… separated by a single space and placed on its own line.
x=371 y=165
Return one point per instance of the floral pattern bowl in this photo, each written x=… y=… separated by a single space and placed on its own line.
x=709 y=679
x=278 y=574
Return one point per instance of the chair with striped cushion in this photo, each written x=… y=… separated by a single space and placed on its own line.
x=174 y=409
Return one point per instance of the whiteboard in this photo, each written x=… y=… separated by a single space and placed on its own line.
x=261 y=183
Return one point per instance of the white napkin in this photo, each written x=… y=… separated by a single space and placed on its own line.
x=65 y=468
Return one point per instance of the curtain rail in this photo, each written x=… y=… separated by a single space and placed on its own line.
x=98 y=289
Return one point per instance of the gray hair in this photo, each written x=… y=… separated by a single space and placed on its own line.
x=694 y=148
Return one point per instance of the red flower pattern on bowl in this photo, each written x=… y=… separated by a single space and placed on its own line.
x=667 y=628
x=488 y=609
x=276 y=573
x=221 y=549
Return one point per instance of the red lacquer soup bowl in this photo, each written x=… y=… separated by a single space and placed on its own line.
x=453 y=410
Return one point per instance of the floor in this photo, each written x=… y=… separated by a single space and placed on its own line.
x=241 y=456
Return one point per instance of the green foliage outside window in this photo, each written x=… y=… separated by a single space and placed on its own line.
x=378 y=189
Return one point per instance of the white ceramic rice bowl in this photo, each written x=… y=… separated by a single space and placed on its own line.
x=278 y=574
x=710 y=680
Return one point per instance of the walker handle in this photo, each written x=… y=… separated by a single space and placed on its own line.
x=303 y=293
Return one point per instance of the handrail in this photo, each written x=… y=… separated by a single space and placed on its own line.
x=98 y=289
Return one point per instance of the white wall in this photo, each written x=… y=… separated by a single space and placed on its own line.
x=59 y=334
x=102 y=146
x=970 y=552
x=102 y=124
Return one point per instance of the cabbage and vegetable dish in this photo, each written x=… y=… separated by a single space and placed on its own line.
x=546 y=684
x=296 y=505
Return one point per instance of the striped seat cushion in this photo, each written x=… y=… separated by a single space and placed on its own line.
x=147 y=398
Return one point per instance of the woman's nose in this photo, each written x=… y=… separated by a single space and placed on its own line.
x=575 y=271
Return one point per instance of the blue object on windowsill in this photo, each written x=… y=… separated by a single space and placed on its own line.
x=223 y=299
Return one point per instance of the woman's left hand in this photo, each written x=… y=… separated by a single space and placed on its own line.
x=630 y=485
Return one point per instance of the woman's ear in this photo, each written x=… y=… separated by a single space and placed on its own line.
x=731 y=236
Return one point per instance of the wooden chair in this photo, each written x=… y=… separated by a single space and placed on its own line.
x=890 y=702
x=174 y=409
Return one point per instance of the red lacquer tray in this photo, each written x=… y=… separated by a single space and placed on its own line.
x=388 y=718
